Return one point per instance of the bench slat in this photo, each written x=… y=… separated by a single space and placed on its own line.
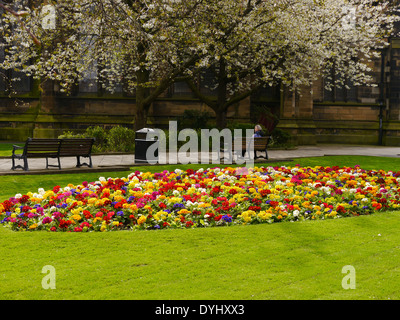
x=54 y=148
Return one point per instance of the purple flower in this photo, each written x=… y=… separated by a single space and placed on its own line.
x=47 y=220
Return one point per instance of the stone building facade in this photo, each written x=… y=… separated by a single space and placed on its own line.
x=359 y=115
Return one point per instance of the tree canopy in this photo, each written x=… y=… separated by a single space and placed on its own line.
x=147 y=45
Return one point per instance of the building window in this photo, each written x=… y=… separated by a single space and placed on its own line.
x=340 y=90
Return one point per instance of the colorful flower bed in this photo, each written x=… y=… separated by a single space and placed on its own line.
x=205 y=198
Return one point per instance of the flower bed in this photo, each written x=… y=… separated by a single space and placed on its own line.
x=205 y=198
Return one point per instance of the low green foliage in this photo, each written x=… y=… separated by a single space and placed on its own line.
x=117 y=139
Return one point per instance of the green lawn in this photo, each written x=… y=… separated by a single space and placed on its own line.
x=300 y=260
x=6 y=148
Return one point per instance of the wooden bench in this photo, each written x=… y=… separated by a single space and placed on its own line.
x=53 y=148
x=239 y=147
x=77 y=148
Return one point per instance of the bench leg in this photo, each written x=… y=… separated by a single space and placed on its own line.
x=257 y=157
x=26 y=168
x=79 y=164
x=58 y=161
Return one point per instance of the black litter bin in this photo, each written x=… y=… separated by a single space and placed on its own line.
x=142 y=143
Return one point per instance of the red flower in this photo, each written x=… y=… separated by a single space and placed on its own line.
x=87 y=214
x=23 y=199
x=64 y=224
x=84 y=224
x=189 y=224
x=118 y=205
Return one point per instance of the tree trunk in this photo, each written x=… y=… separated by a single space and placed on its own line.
x=221 y=111
x=141 y=116
x=221 y=121
x=142 y=92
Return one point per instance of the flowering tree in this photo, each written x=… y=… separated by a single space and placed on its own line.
x=147 y=45
x=291 y=43
x=139 y=43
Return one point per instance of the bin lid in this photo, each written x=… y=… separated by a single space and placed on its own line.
x=145 y=130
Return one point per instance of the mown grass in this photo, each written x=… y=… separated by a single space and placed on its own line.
x=280 y=261
x=6 y=148
x=301 y=260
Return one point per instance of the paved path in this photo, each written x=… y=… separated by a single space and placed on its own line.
x=123 y=162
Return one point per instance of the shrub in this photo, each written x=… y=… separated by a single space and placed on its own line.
x=100 y=134
x=70 y=135
x=117 y=139
x=121 y=139
x=280 y=137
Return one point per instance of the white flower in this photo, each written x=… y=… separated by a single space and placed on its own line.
x=295 y=213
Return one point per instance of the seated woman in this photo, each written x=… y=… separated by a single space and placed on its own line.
x=258 y=133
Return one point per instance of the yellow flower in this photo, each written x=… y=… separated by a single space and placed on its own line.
x=174 y=199
x=204 y=205
x=76 y=217
x=118 y=197
x=33 y=226
x=183 y=211
x=263 y=215
x=141 y=220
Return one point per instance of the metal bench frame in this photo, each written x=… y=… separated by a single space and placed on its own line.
x=53 y=148
x=260 y=145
